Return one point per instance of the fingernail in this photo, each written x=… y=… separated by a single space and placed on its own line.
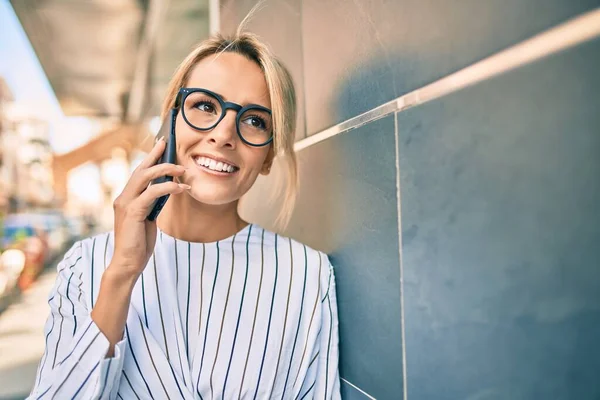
x=161 y=138
x=184 y=186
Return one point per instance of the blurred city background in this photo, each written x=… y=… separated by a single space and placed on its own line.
x=81 y=84
x=450 y=166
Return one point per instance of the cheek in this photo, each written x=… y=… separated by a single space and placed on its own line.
x=257 y=159
x=186 y=139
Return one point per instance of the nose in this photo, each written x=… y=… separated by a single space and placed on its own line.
x=224 y=134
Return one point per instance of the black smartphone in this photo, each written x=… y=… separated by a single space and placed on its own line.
x=167 y=130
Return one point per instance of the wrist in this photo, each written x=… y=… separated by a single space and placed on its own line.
x=119 y=277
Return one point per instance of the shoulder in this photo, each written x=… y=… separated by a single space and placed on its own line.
x=93 y=244
x=285 y=244
x=84 y=253
x=316 y=262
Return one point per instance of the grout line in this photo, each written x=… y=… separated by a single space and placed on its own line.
x=357 y=388
x=568 y=34
x=353 y=123
x=398 y=204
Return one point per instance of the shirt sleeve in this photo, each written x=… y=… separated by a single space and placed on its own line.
x=73 y=364
x=327 y=383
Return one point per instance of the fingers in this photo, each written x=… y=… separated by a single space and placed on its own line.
x=139 y=207
x=154 y=155
x=142 y=178
x=147 y=198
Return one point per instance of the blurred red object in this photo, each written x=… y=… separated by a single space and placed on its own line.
x=36 y=251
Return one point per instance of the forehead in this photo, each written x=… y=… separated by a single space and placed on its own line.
x=233 y=76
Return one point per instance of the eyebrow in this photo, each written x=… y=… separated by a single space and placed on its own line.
x=225 y=99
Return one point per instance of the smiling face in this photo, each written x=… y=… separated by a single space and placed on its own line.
x=221 y=167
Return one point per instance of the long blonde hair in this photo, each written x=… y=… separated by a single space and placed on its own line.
x=281 y=91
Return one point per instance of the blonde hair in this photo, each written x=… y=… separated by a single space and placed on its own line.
x=281 y=91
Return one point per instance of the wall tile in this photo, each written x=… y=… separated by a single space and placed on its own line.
x=360 y=54
x=500 y=196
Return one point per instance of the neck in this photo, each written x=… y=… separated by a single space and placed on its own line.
x=186 y=219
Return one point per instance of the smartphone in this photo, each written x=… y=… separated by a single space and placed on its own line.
x=167 y=130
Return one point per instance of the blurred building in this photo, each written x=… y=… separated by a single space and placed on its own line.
x=26 y=157
x=5 y=98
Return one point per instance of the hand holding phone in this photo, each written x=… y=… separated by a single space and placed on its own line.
x=135 y=235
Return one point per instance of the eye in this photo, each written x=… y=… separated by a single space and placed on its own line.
x=255 y=121
x=205 y=106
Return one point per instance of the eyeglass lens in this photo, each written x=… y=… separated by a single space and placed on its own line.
x=203 y=111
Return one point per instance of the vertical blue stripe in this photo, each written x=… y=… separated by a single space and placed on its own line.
x=72 y=304
x=329 y=340
x=46 y=352
x=187 y=308
x=92 y=275
x=178 y=350
x=144 y=300
x=105 y=249
x=262 y=364
x=299 y=319
x=130 y=347
x=239 y=312
x=208 y=321
x=106 y=378
x=176 y=265
x=62 y=319
x=68 y=298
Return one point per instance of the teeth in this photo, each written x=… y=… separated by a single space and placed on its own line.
x=214 y=165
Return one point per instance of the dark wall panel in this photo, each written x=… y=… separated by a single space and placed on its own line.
x=347 y=206
x=360 y=54
x=500 y=197
x=279 y=24
x=350 y=393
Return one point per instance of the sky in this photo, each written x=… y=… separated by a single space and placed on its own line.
x=20 y=66
x=22 y=71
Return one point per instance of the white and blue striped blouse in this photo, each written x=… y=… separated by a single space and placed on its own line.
x=253 y=316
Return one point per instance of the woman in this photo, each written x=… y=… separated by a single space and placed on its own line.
x=201 y=304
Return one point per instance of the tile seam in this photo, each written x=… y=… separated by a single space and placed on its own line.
x=573 y=32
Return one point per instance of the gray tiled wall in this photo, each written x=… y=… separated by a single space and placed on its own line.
x=500 y=204
x=499 y=185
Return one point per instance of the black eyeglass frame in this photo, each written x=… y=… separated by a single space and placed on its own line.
x=225 y=105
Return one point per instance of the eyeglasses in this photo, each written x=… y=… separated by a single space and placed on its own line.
x=203 y=110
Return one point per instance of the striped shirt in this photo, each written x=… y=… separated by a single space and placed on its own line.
x=253 y=316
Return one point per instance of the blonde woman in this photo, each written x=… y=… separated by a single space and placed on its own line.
x=199 y=304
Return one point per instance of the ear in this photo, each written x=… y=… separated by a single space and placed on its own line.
x=266 y=167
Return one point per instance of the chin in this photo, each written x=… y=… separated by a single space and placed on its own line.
x=214 y=197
